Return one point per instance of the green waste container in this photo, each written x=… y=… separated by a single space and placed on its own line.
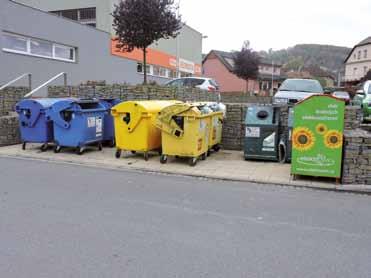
x=261 y=133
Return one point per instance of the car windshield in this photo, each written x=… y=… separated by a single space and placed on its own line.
x=307 y=86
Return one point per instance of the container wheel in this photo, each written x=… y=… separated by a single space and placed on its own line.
x=112 y=143
x=204 y=156
x=163 y=159
x=133 y=152
x=44 y=147
x=57 y=149
x=146 y=156
x=118 y=154
x=24 y=145
x=100 y=146
x=192 y=161
x=208 y=153
x=216 y=148
x=80 y=150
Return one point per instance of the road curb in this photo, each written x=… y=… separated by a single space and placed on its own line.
x=357 y=189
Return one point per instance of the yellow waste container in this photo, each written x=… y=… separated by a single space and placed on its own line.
x=215 y=119
x=185 y=132
x=134 y=126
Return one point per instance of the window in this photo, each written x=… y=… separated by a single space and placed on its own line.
x=37 y=47
x=365 y=70
x=63 y=52
x=156 y=70
x=41 y=48
x=87 y=16
x=365 y=53
x=162 y=72
x=355 y=71
x=359 y=55
x=172 y=74
x=140 y=67
x=14 y=42
x=193 y=82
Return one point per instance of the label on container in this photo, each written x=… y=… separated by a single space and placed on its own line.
x=98 y=123
x=91 y=122
x=253 y=132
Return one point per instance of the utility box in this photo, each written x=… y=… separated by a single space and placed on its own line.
x=261 y=133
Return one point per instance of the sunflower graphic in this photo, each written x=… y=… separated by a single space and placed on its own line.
x=333 y=139
x=303 y=139
x=321 y=129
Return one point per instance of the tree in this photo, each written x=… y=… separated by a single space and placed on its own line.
x=246 y=63
x=139 y=23
x=367 y=76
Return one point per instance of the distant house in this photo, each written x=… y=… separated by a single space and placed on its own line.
x=219 y=65
x=358 y=62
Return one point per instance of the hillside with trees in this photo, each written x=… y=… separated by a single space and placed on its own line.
x=328 y=57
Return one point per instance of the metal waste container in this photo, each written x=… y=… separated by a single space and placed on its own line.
x=109 y=129
x=77 y=124
x=34 y=125
x=261 y=133
x=185 y=132
x=134 y=126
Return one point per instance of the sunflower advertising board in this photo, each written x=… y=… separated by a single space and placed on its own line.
x=317 y=138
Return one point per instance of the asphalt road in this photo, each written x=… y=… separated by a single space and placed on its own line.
x=60 y=220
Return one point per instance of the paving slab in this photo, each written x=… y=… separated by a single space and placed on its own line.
x=226 y=165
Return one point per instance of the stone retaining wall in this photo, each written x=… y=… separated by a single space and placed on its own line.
x=357 y=157
x=242 y=97
x=9 y=97
x=9 y=130
x=126 y=92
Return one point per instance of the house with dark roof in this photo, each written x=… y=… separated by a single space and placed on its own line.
x=219 y=66
x=358 y=62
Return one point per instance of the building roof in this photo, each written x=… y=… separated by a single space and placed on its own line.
x=227 y=59
x=366 y=41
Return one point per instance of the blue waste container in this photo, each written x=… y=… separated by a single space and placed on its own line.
x=109 y=129
x=33 y=122
x=77 y=124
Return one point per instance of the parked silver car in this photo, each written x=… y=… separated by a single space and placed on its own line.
x=203 y=83
x=295 y=90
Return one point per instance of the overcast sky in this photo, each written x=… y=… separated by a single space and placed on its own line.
x=277 y=24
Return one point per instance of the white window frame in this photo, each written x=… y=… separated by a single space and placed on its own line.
x=28 y=52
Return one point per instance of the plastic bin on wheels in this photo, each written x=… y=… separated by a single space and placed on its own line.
x=185 y=132
x=77 y=124
x=109 y=129
x=216 y=113
x=135 y=128
x=34 y=125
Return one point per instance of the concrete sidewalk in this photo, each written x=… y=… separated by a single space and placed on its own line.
x=226 y=165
